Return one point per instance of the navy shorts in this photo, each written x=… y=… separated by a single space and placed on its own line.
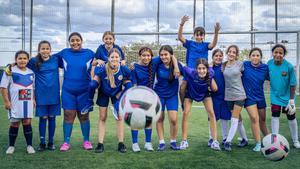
x=221 y=109
x=74 y=101
x=170 y=102
x=103 y=99
x=261 y=104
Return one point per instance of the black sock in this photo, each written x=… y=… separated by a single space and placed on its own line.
x=13 y=133
x=27 y=129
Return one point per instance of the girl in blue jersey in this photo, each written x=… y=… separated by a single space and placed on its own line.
x=47 y=94
x=143 y=74
x=109 y=43
x=282 y=91
x=167 y=89
x=234 y=94
x=200 y=84
x=76 y=62
x=111 y=77
x=254 y=74
x=18 y=98
x=220 y=106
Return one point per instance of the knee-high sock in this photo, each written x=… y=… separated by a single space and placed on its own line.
x=13 y=134
x=224 y=126
x=148 y=135
x=293 y=129
x=67 y=131
x=275 y=125
x=85 y=129
x=51 y=128
x=232 y=130
x=134 y=136
x=242 y=130
x=27 y=129
x=42 y=129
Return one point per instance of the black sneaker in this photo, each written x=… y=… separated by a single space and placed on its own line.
x=243 y=143
x=51 y=147
x=121 y=147
x=99 y=148
x=227 y=146
x=41 y=147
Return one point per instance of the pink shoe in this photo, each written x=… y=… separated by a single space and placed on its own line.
x=87 y=145
x=65 y=147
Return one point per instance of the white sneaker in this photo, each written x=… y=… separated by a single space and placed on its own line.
x=148 y=146
x=30 y=150
x=296 y=144
x=10 y=150
x=136 y=147
x=215 y=145
x=184 y=145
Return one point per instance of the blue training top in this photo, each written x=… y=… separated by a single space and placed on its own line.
x=195 y=50
x=46 y=81
x=102 y=52
x=122 y=74
x=197 y=88
x=219 y=78
x=77 y=66
x=253 y=80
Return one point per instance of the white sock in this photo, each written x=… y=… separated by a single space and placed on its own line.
x=233 y=128
x=293 y=129
x=224 y=126
x=275 y=125
x=173 y=141
x=242 y=130
x=161 y=141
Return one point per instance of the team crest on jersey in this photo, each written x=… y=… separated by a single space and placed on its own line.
x=25 y=94
x=120 y=77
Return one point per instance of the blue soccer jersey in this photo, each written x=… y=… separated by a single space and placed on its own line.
x=77 y=65
x=195 y=50
x=196 y=87
x=122 y=74
x=253 y=80
x=282 y=77
x=102 y=52
x=46 y=81
x=219 y=78
x=163 y=86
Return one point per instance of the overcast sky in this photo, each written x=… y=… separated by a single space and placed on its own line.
x=92 y=17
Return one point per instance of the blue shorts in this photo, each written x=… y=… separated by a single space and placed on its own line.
x=188 y=96
x=261 y=104
x=221 y=109
x=103 y=99
x=47 y=110
x=170 y=102
x=73 y=101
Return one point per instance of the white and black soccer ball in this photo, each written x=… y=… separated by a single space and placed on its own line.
x=140 y=107
x=275 y=147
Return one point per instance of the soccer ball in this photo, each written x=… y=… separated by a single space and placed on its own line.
x=140 y=107
x=275 y=147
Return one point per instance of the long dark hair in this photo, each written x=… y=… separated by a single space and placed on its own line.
x=207 y=77
x=151 y=79
x=39 y=56
x=169 y=49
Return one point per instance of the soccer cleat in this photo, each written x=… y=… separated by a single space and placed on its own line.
x=41 y=147
x=136 y=147
x=257 y=147
x=215 y=145
x=296 y=144
x=161 y=147
x=122 y=147
x=65 y=147
x=148 y=146
x=173 y=146
x=10 y=150
x=30 y=149
x=88 y=107
x=99 y=148
x=184 y=145
x=223 y=142
x=210 y=141
x=227 y=146
x=243 y=143
x=51 y=146
x=87 y=145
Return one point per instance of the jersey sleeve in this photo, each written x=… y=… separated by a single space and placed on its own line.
x=97 y=54
x=126 y=73
x=211 y=72
x=155 y=62
x=5 y=81
x=31 y=64
x=292 y=75
x=59 y=57
x=187 y=43
x=99 y=70
x=121 y=52
x=206 y=44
